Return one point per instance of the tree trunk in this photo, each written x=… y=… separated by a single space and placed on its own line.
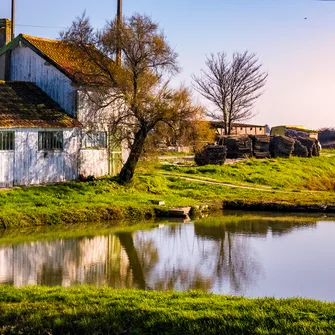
x=127 y=171
x=229 y=127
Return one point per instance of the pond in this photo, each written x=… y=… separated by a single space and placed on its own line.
x=253 y=256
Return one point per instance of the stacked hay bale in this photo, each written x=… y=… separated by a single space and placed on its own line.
x=311 y=144
x=261 y=146
x=211 y=154
x=281 y=146
x=237 y=146
x=300 y=150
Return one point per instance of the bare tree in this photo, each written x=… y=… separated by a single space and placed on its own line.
x=138 y=90
x=232 y=87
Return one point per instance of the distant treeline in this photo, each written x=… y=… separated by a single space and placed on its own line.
x=327 y=137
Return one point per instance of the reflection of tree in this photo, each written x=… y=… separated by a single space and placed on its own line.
x=173 y=271
x=262 y=227
x=148 y=254
x=236 y=263
x=233 y=257
x=142 y=258
x=281 y=228
x=127 y=242
x=183 y=279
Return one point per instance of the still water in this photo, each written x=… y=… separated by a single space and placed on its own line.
x=253 y=258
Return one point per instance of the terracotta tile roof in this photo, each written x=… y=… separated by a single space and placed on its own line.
x=24 y=105
x=69 y=59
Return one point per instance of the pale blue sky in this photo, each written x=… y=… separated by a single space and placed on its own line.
x=298 y=53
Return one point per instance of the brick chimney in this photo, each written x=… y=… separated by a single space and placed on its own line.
x=5 y=31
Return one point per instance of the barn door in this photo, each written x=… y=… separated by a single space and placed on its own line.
x=7 y=158
x=6 y=169
x=115 y=157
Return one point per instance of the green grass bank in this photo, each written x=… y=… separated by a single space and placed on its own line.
x=271 y=184
x=87 y=310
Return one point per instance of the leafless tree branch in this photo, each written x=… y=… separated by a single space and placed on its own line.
x=232 y=87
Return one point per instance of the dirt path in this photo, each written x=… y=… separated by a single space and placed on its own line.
x=214 y=182
x=177 y=160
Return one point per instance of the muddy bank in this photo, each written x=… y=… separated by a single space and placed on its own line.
x=279 y=207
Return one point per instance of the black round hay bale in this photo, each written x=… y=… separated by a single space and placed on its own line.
x=281 y=146
x=299 y=149
x=310 y=144
x=237 y=146
x=211 y=154
x=260 y=145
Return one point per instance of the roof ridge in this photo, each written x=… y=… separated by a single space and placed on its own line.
x=67 y=57
x=41 y=38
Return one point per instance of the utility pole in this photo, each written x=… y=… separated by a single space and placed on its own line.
x=13 y=20
x=118 y=23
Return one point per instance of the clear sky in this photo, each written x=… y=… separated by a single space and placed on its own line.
x=294 y=39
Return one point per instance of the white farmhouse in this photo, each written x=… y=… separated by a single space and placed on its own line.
x=53 y=67
x=39 y=142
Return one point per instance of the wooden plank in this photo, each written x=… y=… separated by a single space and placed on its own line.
x=6 y=168
x=26 y=65
x=33 y=166
x=93 y=162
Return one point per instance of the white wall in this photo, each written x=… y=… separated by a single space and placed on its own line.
x=6 y=168
x=94 y=162
x=38 y=167
x=26 y=65
x=90 y=115
x=27 y=165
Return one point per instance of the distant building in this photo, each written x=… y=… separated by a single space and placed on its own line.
x=239 y=128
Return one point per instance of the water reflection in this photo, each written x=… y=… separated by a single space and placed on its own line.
x=97 y=261
x=212 y=257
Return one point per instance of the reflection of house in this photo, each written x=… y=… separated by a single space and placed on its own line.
x=53 y=66
x=6 y=271
x=239 y=128
x=94 y=261
x=294 y=131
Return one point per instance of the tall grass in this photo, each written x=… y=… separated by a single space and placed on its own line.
x=87 y=310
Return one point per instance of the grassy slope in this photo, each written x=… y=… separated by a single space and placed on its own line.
x=290 y=179
x=85 y=310
x=317 y=173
